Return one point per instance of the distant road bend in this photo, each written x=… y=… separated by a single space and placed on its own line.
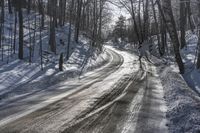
x=116 y=98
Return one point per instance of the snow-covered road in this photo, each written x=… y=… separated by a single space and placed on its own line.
x=140 y=108
x=118 y=97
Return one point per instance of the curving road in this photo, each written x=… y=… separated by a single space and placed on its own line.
x=139 y=109
x=118 y=97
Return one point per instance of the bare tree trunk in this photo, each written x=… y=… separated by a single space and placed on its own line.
x=21 y=32
x=167 y=15
x=9 y=6
x=182 y=22
x=62 y=6
x=163 y=33
x=2 y=4
x=61 y=62
x=157 y=27
x=52 y=38
x=41 y=49
x=146 y=20
x=70 y=28
x=135 y=23
x=198 y=58
x=189 y=12
x=15 y=32
x=94 y=23
x=30 y=41
x=60 y=12
x=139 y=19
x=41 y=10
x=100 y=19
x=77 y=28
x=29 y=6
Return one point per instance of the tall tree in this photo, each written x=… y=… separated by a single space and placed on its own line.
x=78 y=16
x=198 y=58
x=19 y=5
x=41 y=11
x=146 y=20
x=10 y=6
x=183 y=20
x=163 y=33
x=120 y=28
x=52 y=37
x=157 y=27
x=189 y=13
x=70 y=27
x=168 y=17
x=2 y=4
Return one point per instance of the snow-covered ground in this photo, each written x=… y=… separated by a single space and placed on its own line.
x=192 y=75
x=87 y=90
x=19 y=77
x=181 y=92
x=183 y=103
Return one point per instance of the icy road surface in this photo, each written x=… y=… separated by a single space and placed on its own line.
x=119 y=97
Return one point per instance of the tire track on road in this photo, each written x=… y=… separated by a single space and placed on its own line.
x=41 y=117
x=136 y=109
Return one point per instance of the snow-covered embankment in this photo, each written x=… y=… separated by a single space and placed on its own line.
x=183 y=104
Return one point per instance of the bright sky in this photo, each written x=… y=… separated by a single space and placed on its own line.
x=117 y=12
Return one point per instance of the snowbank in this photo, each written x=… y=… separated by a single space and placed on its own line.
x=19 y=77
x=183 y=103
x=189 y=54
x=29 y=79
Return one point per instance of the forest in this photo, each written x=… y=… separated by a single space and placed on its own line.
x=100 y=66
